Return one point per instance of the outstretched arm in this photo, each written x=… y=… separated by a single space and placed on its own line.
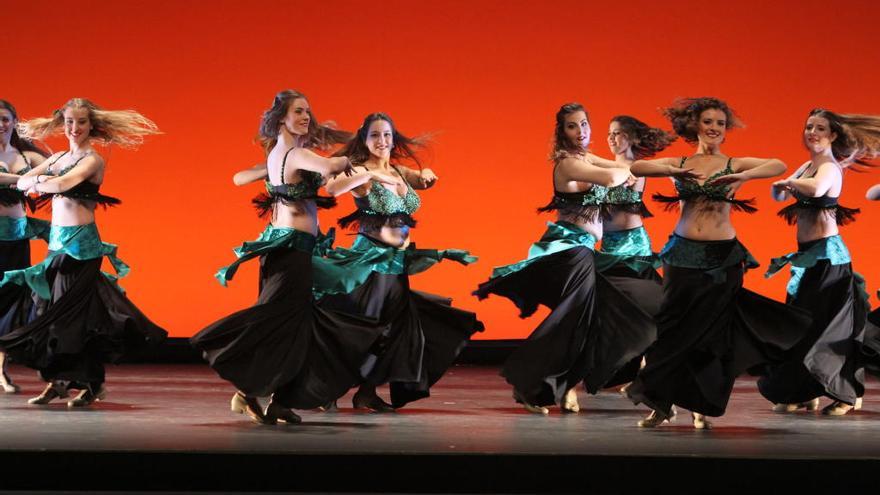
x=253 y=174
x=309 y=160
x=342 y=183
x=816 y=186
x=85 y=169
x=583 y=171
x=662 y=167
x=419 y=179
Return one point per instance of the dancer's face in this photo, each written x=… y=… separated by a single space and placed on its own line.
x=7 y=125
x=380 y=139
x=617 y=140
x=298 y=117
x=77 y=125
x=577 y=129
x=818 y=135
x=712 y=127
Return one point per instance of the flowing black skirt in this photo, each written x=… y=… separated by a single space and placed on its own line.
x=593 y=330
x=710 y=330
x=424 y=334
x=871 y=344
x=827 y=360
x=16 y=303
x=86 y=322
x=285 y=345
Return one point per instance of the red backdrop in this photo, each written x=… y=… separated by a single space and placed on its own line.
x=486 y=77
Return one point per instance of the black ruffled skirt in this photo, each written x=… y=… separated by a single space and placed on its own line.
x=592 y=332
x=424 y=334
x=710 y=330
x=15 y=300
x=827 y=360
x=86 y=322
x=285 y=345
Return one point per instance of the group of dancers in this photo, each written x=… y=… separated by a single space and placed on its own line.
x=329 y=319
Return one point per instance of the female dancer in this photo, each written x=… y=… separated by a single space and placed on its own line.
x=424 y=332
x=626 y=257
x=709 y=328
x=593 y=328
x=17 y=156
x=827 y=360
x=284 y=346
x=82 y=318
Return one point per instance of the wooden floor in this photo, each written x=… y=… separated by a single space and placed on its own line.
x=160 y=422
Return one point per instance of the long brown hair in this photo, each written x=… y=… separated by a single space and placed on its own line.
x=562 y=146
x=404 y=148
x=684 y=114
x=320 y=136
x=18 y=142
x=858 y=136
x=125 y=128
x=646 y=141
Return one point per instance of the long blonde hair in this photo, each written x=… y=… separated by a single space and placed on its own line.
x=125 y=128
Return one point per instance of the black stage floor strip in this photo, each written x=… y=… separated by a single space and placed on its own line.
x=169 y=428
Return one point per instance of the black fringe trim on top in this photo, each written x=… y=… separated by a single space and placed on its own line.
x=584 y=213
x=264 y=202
x=97 y=198
x=12 y=197
x=633 y=208
x=363 y=221
x=842 y=214
x=671 y=202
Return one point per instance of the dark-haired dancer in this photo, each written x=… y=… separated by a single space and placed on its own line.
x=710 y=329
x=82 y=319
x=284 y=346
x=424 y=332
x=17 y=157
x=626 y=257
x=827 y=361
x=593 y=329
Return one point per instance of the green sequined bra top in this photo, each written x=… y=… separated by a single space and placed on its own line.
x=690 y=190
x=382 y=207
x=304 y=190
x=625 y=199
x=584 y=205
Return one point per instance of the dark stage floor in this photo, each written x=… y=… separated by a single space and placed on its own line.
x=161 y=422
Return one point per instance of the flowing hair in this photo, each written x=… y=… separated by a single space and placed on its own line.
x=18 y=142
x=684 y=114
x=646 y=141
x=858 y=137
x=320 y=136
x=404 y=148
x=562 y=146
x=125 y=128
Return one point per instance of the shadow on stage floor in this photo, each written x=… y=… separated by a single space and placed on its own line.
x=168 y=427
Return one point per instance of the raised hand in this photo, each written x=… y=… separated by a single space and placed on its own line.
x=427 y=178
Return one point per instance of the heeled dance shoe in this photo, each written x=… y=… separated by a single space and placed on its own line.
x=652 y=421
x=275 y=412
x=87 y=397
x=570 y=402
x=839 y=408
x=370 y=401
x=700 y=422
x=7 y=385
x=530 y=407
x=51 y=392
x=810 y=405
x=243 y=404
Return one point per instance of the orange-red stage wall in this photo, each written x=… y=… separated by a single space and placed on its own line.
x=485 y=76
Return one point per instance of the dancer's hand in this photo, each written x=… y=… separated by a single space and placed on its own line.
x=782 y=186
x=732 y=181
x=427 y=178
x=686 y=174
